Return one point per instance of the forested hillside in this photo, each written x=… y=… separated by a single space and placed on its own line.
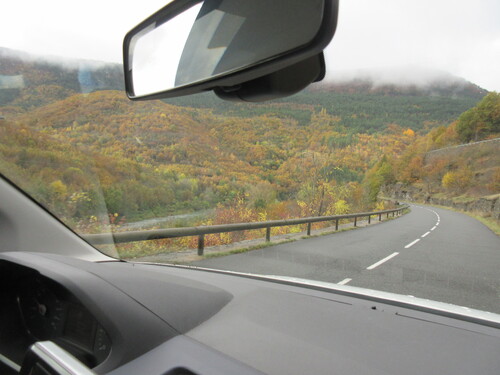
x=157 y=158
x=29 y=81
x=71 y=138
x=363 y=105
x=434 y=167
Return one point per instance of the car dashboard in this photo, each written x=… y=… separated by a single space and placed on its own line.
x=124 y=318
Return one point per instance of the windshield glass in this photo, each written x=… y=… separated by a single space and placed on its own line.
x=409 y=113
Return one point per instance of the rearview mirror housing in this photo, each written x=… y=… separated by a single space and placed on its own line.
x=244 y=50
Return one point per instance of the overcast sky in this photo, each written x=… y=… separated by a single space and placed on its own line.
x=456 y=36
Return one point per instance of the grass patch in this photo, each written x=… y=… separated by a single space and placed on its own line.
x=491 y=197
x=329 y=232
x=463 y=199
x=490 y=223
x=246 y=249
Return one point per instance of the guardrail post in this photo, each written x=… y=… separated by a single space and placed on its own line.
x=379 y=217
x=355 y=221
x=388 y=215
x=268 y=234
x=337 y=225
x=308 y=229
x=369 y=219
x=201 y=244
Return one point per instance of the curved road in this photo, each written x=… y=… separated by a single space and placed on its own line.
x=429 y=253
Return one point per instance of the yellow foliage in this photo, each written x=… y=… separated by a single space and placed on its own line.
x=59 y=188
x=341 y=207
x=448 y=179
x=409 y=133
x=457 y=180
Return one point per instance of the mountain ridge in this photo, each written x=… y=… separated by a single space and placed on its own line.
x=364 y=102
x=402 y=81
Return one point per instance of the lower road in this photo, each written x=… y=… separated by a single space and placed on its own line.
x=429 y=253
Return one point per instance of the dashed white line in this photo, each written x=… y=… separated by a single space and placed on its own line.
x=382 y=261
x=412 y=243
x=426 y=234
x=434 y=227
x=345 y=281
x=437 y=223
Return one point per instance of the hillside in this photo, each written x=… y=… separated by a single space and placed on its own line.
x=27 y=81
x=434 y=169
x=364 y=103
x=195 y=159
x=81 y=149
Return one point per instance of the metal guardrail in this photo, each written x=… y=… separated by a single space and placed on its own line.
x=158 y=234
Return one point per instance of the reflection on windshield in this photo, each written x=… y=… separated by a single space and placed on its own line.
x=11 y=82
x=201 y=55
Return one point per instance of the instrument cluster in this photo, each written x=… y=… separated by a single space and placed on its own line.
x=49 y=312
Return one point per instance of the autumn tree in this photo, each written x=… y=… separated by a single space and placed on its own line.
x=482 y=120
x=380 y=174
x=458 y=180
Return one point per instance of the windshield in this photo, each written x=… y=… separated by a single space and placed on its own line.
x=409 y=113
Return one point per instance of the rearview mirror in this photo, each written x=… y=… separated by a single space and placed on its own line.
x=191 y=45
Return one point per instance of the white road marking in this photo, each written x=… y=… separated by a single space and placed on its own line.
x=437 y=223
x=435 y=213
x=412 y=243
x=425 y=234
x=434 y=227
x=382 y=261
x=345 y=281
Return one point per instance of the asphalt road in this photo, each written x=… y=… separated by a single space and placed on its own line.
x=429 y=253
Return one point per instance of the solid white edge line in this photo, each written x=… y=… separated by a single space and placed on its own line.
x=374 y=265
x=412 y=243
x=345 y=281
x=425 y=234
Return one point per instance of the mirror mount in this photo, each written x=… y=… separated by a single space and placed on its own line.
x=282 y=83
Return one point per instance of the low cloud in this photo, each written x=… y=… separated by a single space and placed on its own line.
x=399 y=76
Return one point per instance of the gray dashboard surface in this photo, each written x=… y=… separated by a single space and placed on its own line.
x=284 y=329
x=279 y=329
x=230 y=322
